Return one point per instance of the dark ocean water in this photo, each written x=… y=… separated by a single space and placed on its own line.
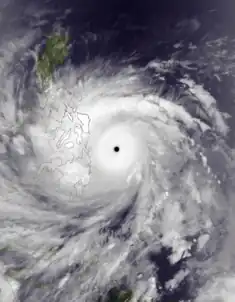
x=143 y=30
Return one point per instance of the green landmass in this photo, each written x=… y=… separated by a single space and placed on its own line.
x=117 y=295
x=55 y=52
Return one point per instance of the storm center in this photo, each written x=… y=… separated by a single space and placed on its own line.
x=116 y=149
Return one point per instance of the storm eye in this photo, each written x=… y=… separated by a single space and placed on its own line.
x=116 y=149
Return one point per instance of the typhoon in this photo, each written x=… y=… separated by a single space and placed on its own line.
x=109 y=178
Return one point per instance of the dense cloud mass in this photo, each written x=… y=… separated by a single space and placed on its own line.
x=118 y=174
